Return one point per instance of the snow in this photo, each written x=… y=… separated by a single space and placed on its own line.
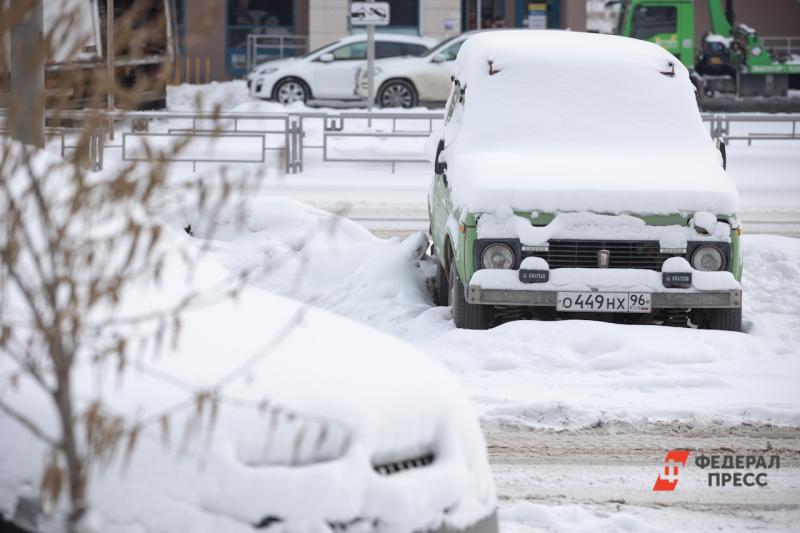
x=566 y=374
x=297 y=386
x=561 y=146
x=503 y=223
x=534 y=263
x=560 y=375
x=538 y=517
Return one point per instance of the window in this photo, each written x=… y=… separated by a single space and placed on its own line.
x=451 y=51
x=258 y=16
x=267 y=17
x=403 y=13
x=260 y=12
x=654 y=20
x=384 y=49
x=351 y=51
x=417 y=49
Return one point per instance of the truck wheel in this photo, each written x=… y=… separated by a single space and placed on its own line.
x=466 y=315
x=441 y=286
x=720 y=319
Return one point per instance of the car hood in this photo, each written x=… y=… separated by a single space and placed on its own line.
x=639 y=183
x=276 y=63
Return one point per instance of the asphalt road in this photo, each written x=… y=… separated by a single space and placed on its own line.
x=612 y=468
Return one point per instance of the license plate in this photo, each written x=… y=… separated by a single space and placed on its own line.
x=604 y=302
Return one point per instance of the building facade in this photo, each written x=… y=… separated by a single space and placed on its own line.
x=213 y=33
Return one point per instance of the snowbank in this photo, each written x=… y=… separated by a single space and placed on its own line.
x=555 y=374
x=607 y=132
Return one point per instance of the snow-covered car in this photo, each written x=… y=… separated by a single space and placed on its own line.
x=328 y=72
x=319 y=423
x=596 y=191
x=408 y=81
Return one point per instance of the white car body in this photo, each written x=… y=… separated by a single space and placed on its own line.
x=429 y=75
x=329 y=72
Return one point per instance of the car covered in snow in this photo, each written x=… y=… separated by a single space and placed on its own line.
x=328 y=73
x=319 y=423
x=574 y=177
x=408 y=81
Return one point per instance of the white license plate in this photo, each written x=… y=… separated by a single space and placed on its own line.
x=604 y=302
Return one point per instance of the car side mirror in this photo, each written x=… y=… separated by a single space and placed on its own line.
x=326 y=58
x=439 y=167
x=724 y=152
x=439 y=58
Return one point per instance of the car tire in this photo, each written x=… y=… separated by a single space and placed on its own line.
x=397 y=93
x=290 y=90
x=441 y=285
x=465 y=314
x=720 y=319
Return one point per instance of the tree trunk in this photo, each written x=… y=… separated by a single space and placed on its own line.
x=76 y=473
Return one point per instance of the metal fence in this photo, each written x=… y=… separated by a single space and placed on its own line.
x=720 y=127
x=263 y=47
x=287 y=139
x=782 y=45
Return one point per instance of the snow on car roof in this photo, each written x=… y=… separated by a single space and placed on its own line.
x=383 y=36
x=566 y=120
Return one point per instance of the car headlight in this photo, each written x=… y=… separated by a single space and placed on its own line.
x=708 y=259
x=497 y=255
x=265 y=71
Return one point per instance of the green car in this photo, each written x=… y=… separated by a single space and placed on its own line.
x=574 y=178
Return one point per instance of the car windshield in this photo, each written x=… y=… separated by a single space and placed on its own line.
x=312 y=52
x=441 y=47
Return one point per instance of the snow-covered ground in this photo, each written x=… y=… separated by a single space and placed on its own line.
x=578 y=413
x=563 y=374
x=767 y=173
x=551 y=380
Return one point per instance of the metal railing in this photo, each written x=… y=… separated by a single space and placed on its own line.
x=288 y=138
x=720 y=127
x=780 y=44
x=262 y=47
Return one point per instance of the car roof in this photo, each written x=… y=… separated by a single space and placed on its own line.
x=383 y=36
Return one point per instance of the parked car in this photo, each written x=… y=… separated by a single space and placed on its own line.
x=409 y=81
x=574 y=177
x=328 y=72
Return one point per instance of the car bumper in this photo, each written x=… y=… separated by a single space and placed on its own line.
x=714 y=290
x=260 y=86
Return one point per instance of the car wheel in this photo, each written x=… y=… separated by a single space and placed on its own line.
x=467 y=315
x=397 y=93
x=290 y=90
x=719 y=319
x=441 y=286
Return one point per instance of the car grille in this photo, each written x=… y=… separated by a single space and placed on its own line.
x=393 y=467
x=622 y=254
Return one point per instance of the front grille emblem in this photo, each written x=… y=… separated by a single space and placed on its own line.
x=603 y=257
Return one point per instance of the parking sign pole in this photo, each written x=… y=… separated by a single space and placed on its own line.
x=370 y=70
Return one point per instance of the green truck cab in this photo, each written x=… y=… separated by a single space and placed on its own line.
x=551 y=202
x=731 y=57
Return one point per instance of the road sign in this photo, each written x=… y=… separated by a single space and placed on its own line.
x=369 y=13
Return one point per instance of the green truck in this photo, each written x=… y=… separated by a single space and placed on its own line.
x=565 y=200
x=732 y=58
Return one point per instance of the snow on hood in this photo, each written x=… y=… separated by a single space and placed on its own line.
x=580 y=122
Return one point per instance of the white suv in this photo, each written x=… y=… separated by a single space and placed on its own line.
x=328 y=72
x=407 y=81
